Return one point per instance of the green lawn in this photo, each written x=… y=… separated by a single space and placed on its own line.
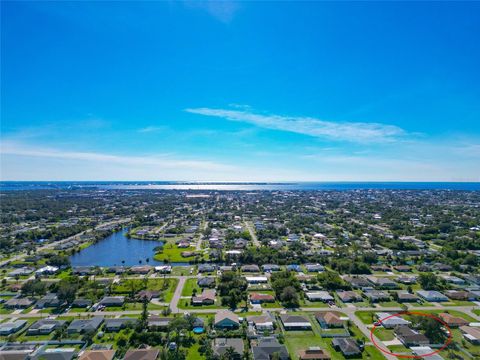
x=5 y=311
x=190 y=285
x=458 y=303
x=452 y=312
x=172 y=253
x=303 y=340
x=389 y=304
x=182 y=270
x=193 y=353
x=399 y=349
x=367 y=317
x=312 y=304
x=384 y=334
x=166 y=287
x=296 y=341
x=185 y=304
x=372 y=353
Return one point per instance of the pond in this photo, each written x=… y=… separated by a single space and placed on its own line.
x=116 y=248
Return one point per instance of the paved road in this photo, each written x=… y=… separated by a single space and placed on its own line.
x=56 y=243
x=178 y=294
x=200 y=237
x=252 y=234
x=350 y=312
x=366 y=332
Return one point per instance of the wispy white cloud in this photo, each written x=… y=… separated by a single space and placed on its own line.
x=361 y=132
x=161 y=161
x=152 y=129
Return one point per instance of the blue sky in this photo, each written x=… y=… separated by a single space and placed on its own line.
x=255 y=91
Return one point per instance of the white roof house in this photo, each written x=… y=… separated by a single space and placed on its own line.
x=319 y=296
x=424 y=350
x=391 y=322
x=47 y=270
x=256 y=279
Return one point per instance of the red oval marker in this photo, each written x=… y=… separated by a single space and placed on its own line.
x=447 y=342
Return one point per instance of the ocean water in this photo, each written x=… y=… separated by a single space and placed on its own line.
x=234 y=186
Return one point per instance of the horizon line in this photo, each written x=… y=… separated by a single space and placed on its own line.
x=282 y=182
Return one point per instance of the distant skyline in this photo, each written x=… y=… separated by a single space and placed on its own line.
x=240 y=91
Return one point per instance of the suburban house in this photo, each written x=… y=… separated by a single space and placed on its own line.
x=142 y=354
x=410 y=337
x=264 y=348
x=389 y=322
x=270 y=267
x=380 y=268
x=407 y=280
x=406 y=297
x=220 y=346
x=11 y=327
x=207 y=297
x=329 y=319
x=402 y=268
x=240 y=243
x=432 y=295
x=377 y=295
x=147 y=295
x=97 y=355
x=347 y=346
x=382 y=282
x=163 y=269
x=458 y=295
x=85 y=325
x=313 y=353
x=294 y=267
x=53 y=354
x=206 y=282
x=471 y=334
x=261 y=322
x=250 y=268
x=206 y=268
x=46 y=270
x=23 y=271
x=49 y=300
x=82 y=303
x=256 y=279
x=453 y=279
x=45 y=326
x=83 y=270
x=314 y=267
x=225 y=319
x=319 y=296
x=453 y=321
x=421 y=351
x=140 y=270
x=349 y=296
x=110 y=301
x=18 y=303
x=295 y=322
x=358 y=282
x=118 y=270
x=256 y=298
x=116 y=324
x=155 y=321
